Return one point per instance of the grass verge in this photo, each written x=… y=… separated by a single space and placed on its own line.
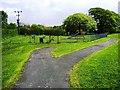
x=14 y=62
x=99 y=70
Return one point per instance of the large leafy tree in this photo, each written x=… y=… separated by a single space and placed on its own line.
x=74 y=23
x=3 y=19
x=117 y=19
x=107 y=21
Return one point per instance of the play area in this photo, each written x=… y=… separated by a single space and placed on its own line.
x=68 y=39
x=23 y=46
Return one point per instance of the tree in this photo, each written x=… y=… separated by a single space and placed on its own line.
x=41 y=29
x=11 y=26
x=118 y=30
x=58 y=30
x=107 y=21
x=117 y=19
x=3 y=16
x=37 y=29
x=25 y=30
x=74 y=23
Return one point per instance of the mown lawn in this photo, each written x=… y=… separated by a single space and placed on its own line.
x=99 y=70
x=16 y=52
x=66 y=48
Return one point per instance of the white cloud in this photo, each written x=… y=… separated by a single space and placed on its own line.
x=52 y=12
x=10 y=1
x=57 y=9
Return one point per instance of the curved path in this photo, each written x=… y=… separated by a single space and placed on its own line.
x=44 y=71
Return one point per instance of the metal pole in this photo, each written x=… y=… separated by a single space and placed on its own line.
x=18 y=20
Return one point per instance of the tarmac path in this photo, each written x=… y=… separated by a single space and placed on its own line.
x=44 y=71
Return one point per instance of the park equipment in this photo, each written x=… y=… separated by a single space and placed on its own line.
x=74 y=35
x=33 y=37
x=50 y=39
x=41 y=38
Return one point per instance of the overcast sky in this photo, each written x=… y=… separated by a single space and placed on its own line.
x=51 y=12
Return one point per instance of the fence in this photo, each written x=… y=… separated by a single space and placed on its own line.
x=96 y=36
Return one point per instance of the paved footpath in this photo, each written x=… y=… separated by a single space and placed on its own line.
x=44 y=71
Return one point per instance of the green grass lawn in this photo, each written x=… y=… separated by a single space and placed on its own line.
x=99 y=70
x=66 y=48
x=17 y=50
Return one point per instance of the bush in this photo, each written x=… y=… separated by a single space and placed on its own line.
x=8 y=32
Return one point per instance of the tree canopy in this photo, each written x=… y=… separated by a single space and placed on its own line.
x=78 y=21
x=107 y=21
x=3 y=17
x=11 y=26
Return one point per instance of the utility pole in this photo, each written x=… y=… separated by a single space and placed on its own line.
x=18 y=20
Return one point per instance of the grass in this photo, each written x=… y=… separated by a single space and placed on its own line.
x=15 y=55
x=65 y=48
x=99 y=70
x=17 y=50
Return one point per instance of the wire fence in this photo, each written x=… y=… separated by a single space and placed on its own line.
x=96 y=36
